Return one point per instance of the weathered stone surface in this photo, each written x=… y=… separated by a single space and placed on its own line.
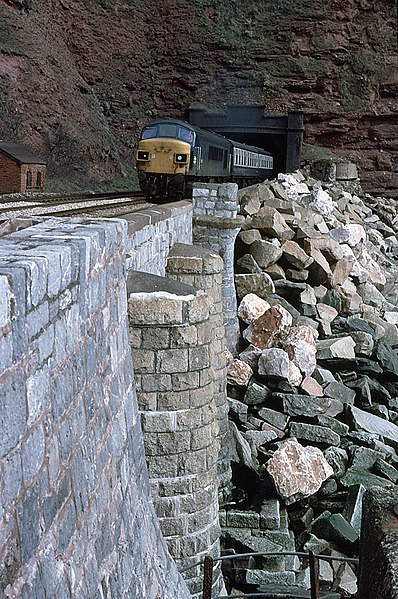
x=298 y=471
x=274 y=417
x=295 y=255
x=250 y=356
x=305 y=405
x=270 y=222
x=247 y=265
x=310 y=386
x=374 y=424
x=337 y=458
x=342 y=347
x=265 y=253
x=334 y=527
x=252 y=307
x=256 y=393
x=259 y=283
x=270 y=516
x=363 y=477
x=314 y=433
x=238 y=408
x=249 y=236
x=258 y=438
x=274 y=362
x=238 y=372
x=340 y=391
x=300 y=345
x=240 y=451
x=266 y=329
x=319 y=269
x=341 y=271
x=353 y=507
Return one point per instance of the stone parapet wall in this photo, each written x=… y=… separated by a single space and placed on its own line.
x=153 y=231
x=202 y=269
x=76 y=517
x=171 y=338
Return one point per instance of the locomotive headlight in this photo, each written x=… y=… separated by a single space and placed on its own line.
x=181 y=158
x=142 y=155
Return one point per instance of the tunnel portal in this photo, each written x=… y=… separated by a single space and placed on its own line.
x=281 y=135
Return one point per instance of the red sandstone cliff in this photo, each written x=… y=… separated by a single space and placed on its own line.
x=78 y=79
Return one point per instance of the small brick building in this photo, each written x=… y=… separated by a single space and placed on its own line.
x=20 y=170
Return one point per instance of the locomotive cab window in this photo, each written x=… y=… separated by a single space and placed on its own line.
x=149 y=132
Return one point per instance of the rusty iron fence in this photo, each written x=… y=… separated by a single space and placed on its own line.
x=313 y=560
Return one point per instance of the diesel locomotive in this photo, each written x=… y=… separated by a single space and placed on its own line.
x=172 y=154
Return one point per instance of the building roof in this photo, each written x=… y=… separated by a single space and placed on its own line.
x=19 y=153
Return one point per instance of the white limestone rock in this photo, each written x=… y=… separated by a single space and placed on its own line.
x=300 y=346
x=298 y=471
x=340 y=347
x=239 y=373
x=252 y=307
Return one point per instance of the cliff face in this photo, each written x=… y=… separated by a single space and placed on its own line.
x=79 y=79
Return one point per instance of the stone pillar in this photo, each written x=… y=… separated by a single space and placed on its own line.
x=200 y=268
x=215 y=226
x=170 y=336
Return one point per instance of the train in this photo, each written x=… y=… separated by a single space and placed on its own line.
x=172 y=154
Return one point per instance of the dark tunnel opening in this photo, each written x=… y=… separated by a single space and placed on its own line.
x=275 y=144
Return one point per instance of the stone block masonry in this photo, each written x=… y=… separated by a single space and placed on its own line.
x=202 y=269
x=172 y=337
x=76 y=517
x=153 y=231
x=216 y=224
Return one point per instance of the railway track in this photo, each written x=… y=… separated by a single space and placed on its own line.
x=105 y=205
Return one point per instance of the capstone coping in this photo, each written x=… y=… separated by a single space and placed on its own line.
x=217 y=222
x=197 y=259
x=144 y=282
x=158 y=301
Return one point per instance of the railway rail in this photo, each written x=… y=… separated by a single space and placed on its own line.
x=105 y=205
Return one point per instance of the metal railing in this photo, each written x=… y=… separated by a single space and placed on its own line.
x=313 y=560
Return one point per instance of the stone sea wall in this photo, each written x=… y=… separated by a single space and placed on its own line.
x=76 y=516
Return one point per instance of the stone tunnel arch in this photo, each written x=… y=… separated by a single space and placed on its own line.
x=282 y=135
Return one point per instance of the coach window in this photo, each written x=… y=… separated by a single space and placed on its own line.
x=28 y=179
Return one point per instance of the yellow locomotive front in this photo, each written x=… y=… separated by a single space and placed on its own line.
x=163 y=158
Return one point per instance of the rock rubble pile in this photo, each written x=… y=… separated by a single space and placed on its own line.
x=313 y=386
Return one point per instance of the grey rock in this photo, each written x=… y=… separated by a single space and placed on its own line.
x=305 y=405
x=334 y=527
x=386 y=470
x=274 y=417
x=341 y=392
x=314 y=433
x=374 y=424
x=265 y=253
x=353 y=507
x=256 y=393
x=337 y=458
x=363 y=477
x=247 y=264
